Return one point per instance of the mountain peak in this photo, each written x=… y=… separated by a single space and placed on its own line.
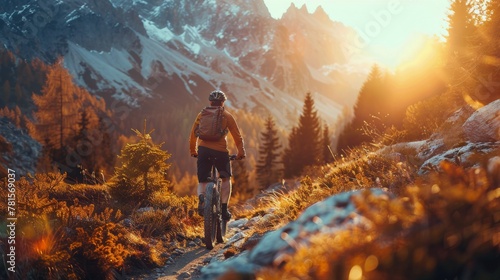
x=304 y=8
x=294 y=9
x=321 y=14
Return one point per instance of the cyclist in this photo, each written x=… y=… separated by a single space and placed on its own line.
x=203 y=150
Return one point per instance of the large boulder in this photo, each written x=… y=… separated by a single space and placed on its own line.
x=466 y=155
x=464 y=133
x=328 y=216
x=447 y=136
x=484 y=124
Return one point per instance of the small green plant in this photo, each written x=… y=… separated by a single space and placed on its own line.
x=142 y=171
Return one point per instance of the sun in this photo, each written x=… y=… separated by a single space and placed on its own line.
x=387 y=28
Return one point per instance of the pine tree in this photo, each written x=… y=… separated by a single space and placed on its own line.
x=370 y=112
x=7 y=64
x=83 y=125
x=326 y=144
x=23 y=77
x=44 y=163
x=461 y=26
x=57 y=115
x=488 y=87
x=54 y=115
x=304 y=141
x=106 y=159
x=268 y=166
x=142 y=171
x=462 y=43
x=291 y=161
x=373 y=100
x=83 y=145
x=309 y=131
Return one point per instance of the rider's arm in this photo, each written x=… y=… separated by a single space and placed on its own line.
x=192 y=138
x=235 y=133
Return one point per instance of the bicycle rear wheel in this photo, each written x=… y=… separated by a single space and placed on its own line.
x=210 y=216
x=220 y=223
x=221 y=229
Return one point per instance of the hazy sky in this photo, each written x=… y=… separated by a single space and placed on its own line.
x=428 y=16
x=388 y=25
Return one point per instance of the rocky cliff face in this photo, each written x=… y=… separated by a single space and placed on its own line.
x=176 y=50
x=18 y=151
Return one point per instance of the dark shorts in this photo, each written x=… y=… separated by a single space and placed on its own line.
x=208 y=156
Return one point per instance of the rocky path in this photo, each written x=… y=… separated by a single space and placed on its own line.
x=188 y=262
x=186 y=265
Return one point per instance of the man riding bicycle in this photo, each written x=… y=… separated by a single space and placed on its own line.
x=206 y=150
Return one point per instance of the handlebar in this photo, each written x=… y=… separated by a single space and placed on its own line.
x=231 y=157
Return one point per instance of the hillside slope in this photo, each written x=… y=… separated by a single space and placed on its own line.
x=358 y=216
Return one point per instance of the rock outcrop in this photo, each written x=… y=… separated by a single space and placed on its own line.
x=19 y=151
x=327 y=216
x=484 y=124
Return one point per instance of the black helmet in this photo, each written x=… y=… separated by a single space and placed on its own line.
x=217 y=95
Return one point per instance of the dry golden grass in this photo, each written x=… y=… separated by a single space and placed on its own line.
x=442 y=228
x=360 y=170
x=74 y=231
x=190 y=224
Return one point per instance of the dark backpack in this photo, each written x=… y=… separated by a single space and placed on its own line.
x=211 y=126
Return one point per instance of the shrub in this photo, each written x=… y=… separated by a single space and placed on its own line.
x=425 y=117
x=182 y=210
x=60 y=238
x=98 y=195
x=156 y=223
x=104 y=244
x=142 y=171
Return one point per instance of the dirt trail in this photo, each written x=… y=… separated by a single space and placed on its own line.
x=185 y=266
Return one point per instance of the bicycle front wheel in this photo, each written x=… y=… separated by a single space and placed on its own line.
x=221 y=231
x=210 y=216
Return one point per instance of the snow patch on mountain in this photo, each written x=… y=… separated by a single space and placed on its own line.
x=191 y=37
x=113 y=65
x=160 y=34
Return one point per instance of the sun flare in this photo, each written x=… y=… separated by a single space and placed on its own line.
x=387 y=28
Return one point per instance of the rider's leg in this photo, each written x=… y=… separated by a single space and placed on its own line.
x=201 y=197
x=226 y=189
x=225 y=195
x=223 y=165
x=204 y=166
x=201 y=188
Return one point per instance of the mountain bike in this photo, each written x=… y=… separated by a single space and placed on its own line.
x=214 y=226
